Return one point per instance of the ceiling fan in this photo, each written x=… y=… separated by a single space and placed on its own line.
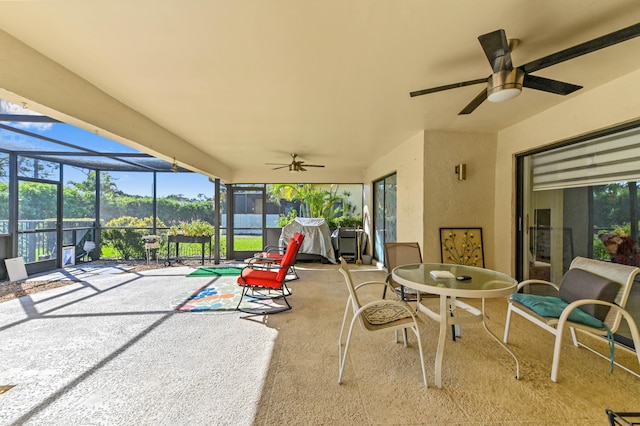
x=506 y=82
x=294 y=166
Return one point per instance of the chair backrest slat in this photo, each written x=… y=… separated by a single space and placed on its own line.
x=401 y=253
x=353 y=296
x=288 y=259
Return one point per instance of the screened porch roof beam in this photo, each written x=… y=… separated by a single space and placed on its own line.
x=116 y=157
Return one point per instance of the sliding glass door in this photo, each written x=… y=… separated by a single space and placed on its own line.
x=247 y=221
x=581 y=199
x=384 y=214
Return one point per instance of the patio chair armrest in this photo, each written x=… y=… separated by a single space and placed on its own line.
x=274 y=249
x=576 y=304
x=265 y=266
x=535 y=281
x=258 y=260
x=381 y=283
x=564 y=317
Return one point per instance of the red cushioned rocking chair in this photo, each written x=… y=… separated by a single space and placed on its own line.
x=275 y=254
x=260 y=281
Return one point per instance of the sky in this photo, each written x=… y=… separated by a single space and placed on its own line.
x=189 y=185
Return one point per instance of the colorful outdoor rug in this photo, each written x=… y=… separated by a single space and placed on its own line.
x=218 y=271
x=220 y=296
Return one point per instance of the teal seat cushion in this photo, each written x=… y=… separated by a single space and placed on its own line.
x=552 y=307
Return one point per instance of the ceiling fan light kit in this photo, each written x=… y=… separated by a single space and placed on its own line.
x=506 y=81
x=505 y=85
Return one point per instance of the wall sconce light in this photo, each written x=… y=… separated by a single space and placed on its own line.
x=461 y=171
x=174 y=166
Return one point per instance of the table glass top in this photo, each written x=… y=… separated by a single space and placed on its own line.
x=483 y=281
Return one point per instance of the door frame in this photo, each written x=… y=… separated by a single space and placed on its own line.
x=231 y=192
x=48 y=264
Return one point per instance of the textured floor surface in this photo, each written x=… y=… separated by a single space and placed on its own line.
x=109 y=350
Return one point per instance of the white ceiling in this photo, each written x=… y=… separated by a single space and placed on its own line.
x=249 y=82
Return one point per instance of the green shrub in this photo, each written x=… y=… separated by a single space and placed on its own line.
x=126 y=239
x=349 y=221
x=343 y=221
x=285 y=220
x=196 y=228
x=199 y=228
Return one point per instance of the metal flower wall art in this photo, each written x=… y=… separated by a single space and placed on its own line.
x=462 y=246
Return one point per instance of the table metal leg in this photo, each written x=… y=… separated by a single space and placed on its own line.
x=445 y=321
x=455 y=328
x=442 y=337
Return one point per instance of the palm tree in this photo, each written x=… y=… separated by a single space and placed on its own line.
x=313 y=202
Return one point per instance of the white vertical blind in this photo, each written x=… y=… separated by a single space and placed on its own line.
x=608 y=159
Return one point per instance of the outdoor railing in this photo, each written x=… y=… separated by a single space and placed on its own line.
x=37 y=240
x=34 y=246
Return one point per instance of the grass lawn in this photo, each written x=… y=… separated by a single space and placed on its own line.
x=246 y=243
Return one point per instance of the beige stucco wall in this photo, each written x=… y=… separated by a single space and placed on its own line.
x=430 y=196
x=449 y=202
x=611 y=104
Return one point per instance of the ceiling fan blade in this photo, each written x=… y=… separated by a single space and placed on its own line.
x=447 y=87
x=281 y=167
x=583 y=48
x=300 y=169
x=548 y=85
x=276 y=164
x=312 y=165
x=475 y=103
x=496 y=48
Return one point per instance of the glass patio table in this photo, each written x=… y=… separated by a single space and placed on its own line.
x=479 y=283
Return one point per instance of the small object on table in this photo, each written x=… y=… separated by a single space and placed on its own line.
x=463 y=278
x=441 y=274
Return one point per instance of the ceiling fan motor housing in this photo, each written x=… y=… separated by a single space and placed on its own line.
x=505 y=85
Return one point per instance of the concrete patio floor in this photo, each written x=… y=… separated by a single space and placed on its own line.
x=110 y=350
